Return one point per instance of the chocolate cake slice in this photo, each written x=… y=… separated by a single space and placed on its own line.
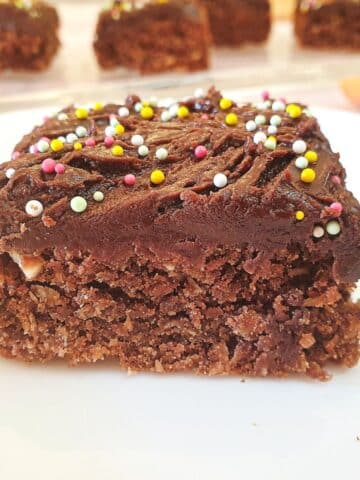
x=28 y=34
x=202 y=236
x=328 y=23
x=153 y=36
x=235 y=22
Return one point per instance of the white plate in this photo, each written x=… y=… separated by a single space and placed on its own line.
x=96 y=423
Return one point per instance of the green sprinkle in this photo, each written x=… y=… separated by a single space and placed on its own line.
x=78 y=204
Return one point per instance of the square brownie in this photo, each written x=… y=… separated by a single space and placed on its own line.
x=153 y=36
x=328 y=23
x=235 y=22
x=28 y=34
x=201 y=236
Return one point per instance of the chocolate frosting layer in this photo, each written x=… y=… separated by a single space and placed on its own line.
x=260 y=205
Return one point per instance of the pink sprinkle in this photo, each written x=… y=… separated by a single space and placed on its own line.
x=15 y=155
x=45 y=139
x=200 y=152
x=48 y=165
x=337 y=208
x=204 y=116
x=336 y=179
x=283 y=100
x=109 y=141
x=130 y=180
x=59 y=168
x=265 y=95
x=46 y=118
x=34 y=149
x=90 y=142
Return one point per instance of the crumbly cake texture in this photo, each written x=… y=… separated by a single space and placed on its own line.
x=153 y=36
x=28 y=35
x=236 y=22
x=328 y=23
x=200 y=236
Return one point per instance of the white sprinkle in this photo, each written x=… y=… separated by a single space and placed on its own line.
x=260 y=119
x=62 y=117
x=267 y=104
x=110 y=131
x=165 y=116
x=161 y=154
x=173 y=110
x=270 y=143
x=81 y=131
x=143 y=151
x=71 y=138
x=272 y=130
x=333 y=228
x=299 y=147
x=34 y=208
x=275 y=120
x=318 y=232
x=301 y=163
x=278 y=106
x=123 y=112
x=9 y=173
x=153 y=101
x=220 y=180
x=250 y=126
x=199 y=92
x=137 y=140
x=113 y=121
x=32 y=149
x=43 y=146
x=62 y=139
x=259 y=137
x=138 y=107
x=98 y=196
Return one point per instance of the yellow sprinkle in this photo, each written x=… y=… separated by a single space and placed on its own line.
x=231 y=119
x=98 y=106
x=311 y=156
x=157 y=177
x=299 y=215
x=117 y=150
x=225 y=103
x=294 y=111
x=81 y=113
x=56 y=145
x=162 y=1
x=308 y=175
x=183 y=112
x=147 y=113
x=145 y=103
x=77 y=146
x=119 y=129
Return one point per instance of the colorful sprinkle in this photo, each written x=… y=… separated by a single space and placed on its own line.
x=311 y=156
x=275 y=120
x=336 y=180
x=15 y=155
x=78 y=204
x=337 y=208
x=299 y=147
x=333 y=228
x=9 y=172
x=98 y=106
x=301 y=163
x=225 y=103
x=48 y=165
x=143 y=151
x=137 y=140
x=109 y=141
x=278 y=106
x=71 y=138
x=81 y=113
x=220 y=180
x=90 y=142
x=81 y=131
x=147 y=113
x=43 y=146
x=231 y=119
x=161 y=154
x=260 y=137
x=200 y=152
x=110 y=131
x=260 y=119
x=62 y=116
x=59 y=168
x=299 y=215
x=117 y=150
x=129 y=180
x=123 y=112
x=34 y=208
x=183 y=111
x=251 y=126
x=56 y=145
x=270 y=143
x=294 y=111
x=119 y=129
x=157 y=177
x=308 y=175
x=113 y=121
x=98 y=196
x=318 y=232
x=166 y=116
x=265 y=95
x=77 y=146
x=272 y=130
